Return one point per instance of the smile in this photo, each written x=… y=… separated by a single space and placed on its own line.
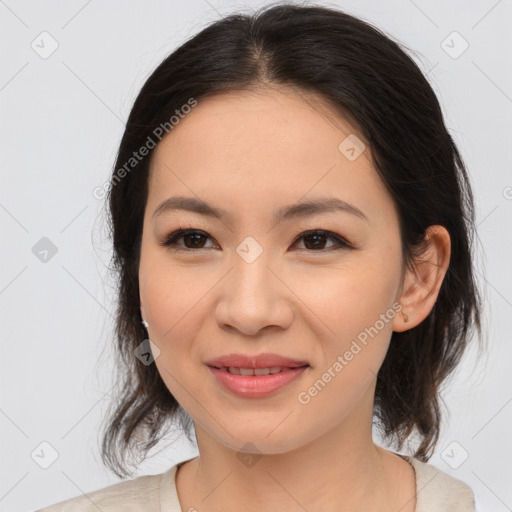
x=256 y=382
x=255 y=371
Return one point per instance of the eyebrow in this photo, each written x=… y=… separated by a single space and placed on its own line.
x=297 y=210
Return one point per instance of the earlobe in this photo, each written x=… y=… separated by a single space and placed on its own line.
x=144 y=323
x=401 y=321
x=422 y=283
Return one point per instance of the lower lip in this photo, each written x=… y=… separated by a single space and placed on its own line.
x=255 y=386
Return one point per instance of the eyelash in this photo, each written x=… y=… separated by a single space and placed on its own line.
x=170 y=240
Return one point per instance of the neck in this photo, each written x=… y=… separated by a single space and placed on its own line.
x=341 y=470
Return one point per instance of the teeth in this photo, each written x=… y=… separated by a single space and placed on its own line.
x=256 y=371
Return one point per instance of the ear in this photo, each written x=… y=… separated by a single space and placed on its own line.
x=142 y=311
x=421 y=285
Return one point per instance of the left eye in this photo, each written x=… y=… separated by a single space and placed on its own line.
x=195 y=238
x=316 y=235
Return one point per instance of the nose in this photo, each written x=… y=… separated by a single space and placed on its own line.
x=254 y=297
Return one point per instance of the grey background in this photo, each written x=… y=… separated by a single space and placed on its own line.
x=61 y=121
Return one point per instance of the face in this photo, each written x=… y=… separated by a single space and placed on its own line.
x=246 y=282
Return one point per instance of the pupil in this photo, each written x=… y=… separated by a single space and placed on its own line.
x=315 y=237
x=197 y=236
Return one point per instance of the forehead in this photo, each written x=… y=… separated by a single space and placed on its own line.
x=256 y=148
x=263 y=124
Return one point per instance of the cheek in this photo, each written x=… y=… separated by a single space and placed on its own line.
x=170 y=292
x=354 y=304
x=357 y=309
x=349 y=298
x=177 y=314
x=173 y=305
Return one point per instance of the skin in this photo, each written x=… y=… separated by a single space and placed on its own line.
x=252 y=153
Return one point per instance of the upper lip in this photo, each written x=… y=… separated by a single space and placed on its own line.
x=256 y=361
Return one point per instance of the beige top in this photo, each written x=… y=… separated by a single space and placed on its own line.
x=435 y=492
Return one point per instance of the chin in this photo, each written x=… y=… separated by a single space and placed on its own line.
x=258 y=441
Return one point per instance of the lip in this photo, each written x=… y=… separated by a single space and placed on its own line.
x=256 y=386
x=265 y=360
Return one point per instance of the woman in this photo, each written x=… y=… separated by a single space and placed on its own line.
x=292 y=226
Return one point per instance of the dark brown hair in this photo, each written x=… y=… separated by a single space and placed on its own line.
x=370 y=79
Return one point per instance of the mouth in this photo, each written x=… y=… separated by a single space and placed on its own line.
x=242 y=364
x=254 y=383
x=248 y=372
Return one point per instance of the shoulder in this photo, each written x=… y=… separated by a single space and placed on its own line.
x=138 y=494
x=438 y=491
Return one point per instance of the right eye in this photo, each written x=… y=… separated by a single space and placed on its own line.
x=193 y=239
